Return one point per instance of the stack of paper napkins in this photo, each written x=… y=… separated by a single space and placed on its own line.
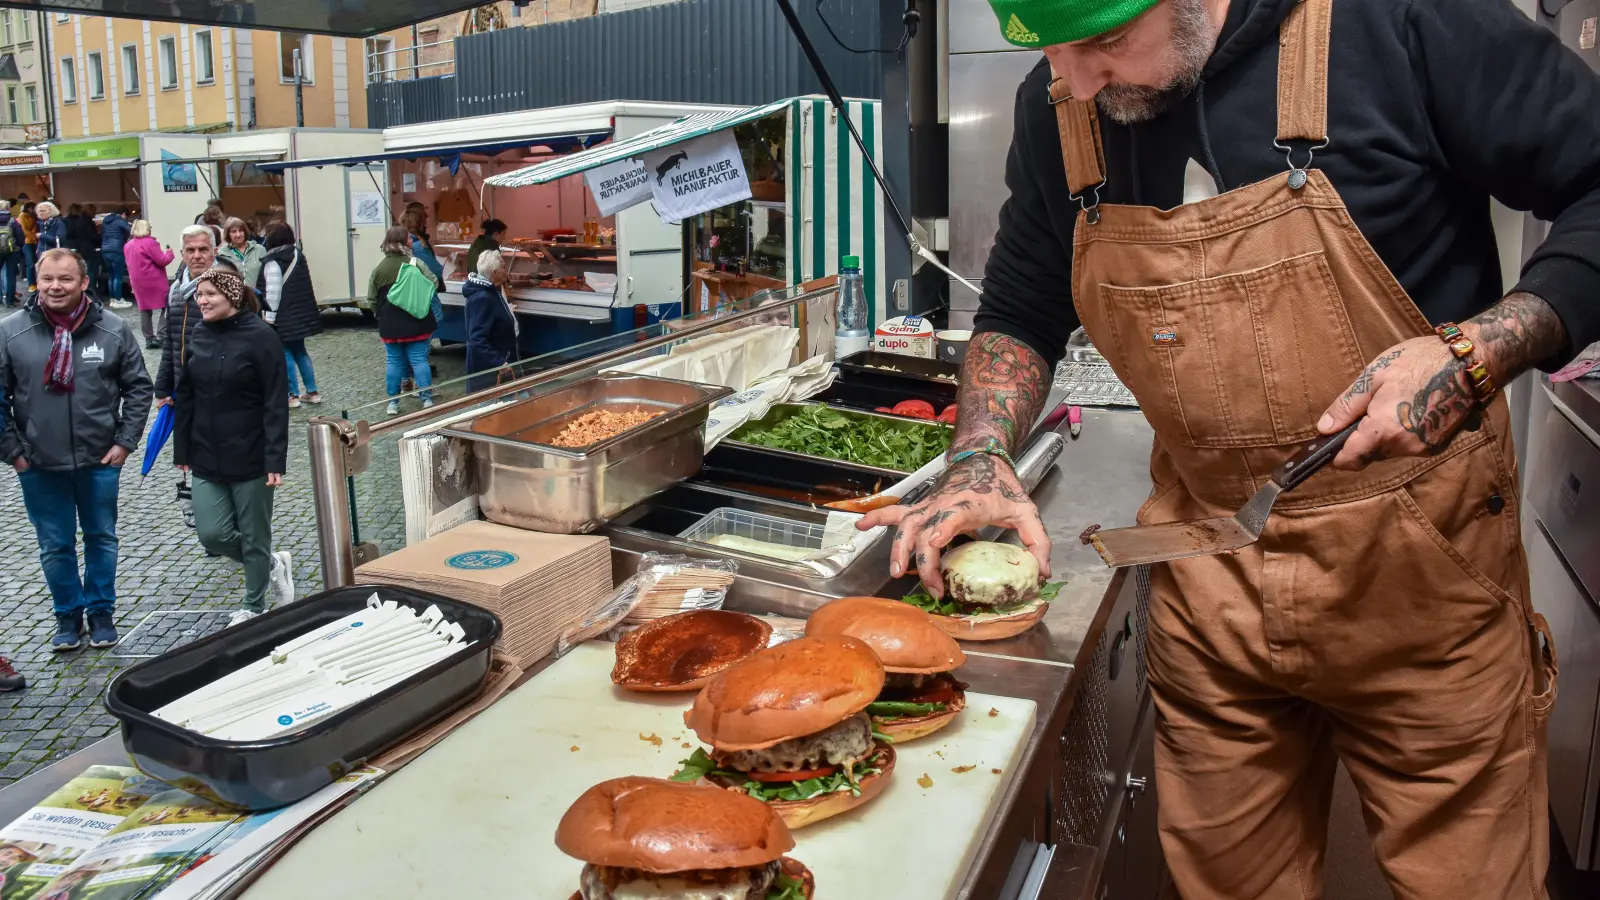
x=536 y=583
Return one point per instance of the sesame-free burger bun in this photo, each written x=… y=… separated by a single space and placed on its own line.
x=790 y=866
x=792 y=690
x=800 y=813
x=990 y=627
x=906 y=639
x=663 y=826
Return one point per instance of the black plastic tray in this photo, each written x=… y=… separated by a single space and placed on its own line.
x=913 y=371
x=865 y=393
x=261 y=775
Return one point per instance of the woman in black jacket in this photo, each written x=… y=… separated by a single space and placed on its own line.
x=232 y=434
x=291 y=307
x=406 y=338
x=491 y=324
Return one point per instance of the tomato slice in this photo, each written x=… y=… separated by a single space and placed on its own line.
x=801 y=775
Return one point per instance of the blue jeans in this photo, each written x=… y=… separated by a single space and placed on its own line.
x=30 y=254
x=410 y=358
x=58 y=503
x=116 y=273
x=10 y=272
x=294 y=353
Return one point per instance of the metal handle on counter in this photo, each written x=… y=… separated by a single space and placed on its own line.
x=1037 y=459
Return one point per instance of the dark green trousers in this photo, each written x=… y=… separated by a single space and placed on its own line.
x=235 y=520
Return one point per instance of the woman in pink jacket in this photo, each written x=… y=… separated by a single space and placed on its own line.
x=147 y=272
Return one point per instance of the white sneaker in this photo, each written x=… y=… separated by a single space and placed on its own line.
x=241 y=616
x=393 y=408
x=121 y=304
x=427 y=404
x=282 y=580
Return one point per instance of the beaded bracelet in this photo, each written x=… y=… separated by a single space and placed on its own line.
x=991 y=448
x=1466 y=351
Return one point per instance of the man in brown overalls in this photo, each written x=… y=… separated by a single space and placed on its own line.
x=1272 y=217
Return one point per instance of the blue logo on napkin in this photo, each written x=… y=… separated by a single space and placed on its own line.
x=286 y=720
x=481 y=559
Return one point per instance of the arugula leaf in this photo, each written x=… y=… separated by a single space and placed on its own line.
x=896 y=708
x=1050 y=590
x=696 y=767
x=921 y=599
x=786 y=888
x=823 y=431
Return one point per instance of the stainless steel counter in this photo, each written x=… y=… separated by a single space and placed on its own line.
x=1102 y=477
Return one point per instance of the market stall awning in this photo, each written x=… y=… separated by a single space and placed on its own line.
x=684 y=129
x=560 y=143
x=258 y=156
x=346 y=18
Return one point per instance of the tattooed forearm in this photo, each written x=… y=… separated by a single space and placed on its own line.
x=982 y=474
x=1515 y=335
x=1003 y=388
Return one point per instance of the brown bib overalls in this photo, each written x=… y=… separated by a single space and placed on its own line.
x=1383 y=619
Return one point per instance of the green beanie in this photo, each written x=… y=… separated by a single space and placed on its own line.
x=1041 y=23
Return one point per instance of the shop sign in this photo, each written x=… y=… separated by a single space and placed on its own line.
x=22 y=159
x=177 y=178
x=617 y=186
x=86 y=151
x=700 y=175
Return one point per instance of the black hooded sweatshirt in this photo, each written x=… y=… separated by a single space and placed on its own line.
x=1434 y=106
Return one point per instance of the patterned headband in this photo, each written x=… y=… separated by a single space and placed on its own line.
x=230 y=284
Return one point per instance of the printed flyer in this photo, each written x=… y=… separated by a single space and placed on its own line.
x=46 y=840
x=154 y=842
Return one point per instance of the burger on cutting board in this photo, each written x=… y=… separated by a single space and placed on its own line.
x=992 y=592
x=919 y=695
x=789 y=727
x=649 y=838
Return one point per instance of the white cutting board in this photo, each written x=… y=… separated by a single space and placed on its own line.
x=476 y=815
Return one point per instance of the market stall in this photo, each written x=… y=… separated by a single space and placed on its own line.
x=570 y=265
x=807 y=204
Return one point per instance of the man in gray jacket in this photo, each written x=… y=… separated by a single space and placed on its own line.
x=75 y=399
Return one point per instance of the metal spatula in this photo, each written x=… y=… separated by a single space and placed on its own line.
x=1204 y=537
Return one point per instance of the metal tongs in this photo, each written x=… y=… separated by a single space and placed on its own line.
x=1206 y=537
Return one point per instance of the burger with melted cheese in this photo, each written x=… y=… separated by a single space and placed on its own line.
x=992 y=592
x=649 y=839
x=919 y=694
x=789 y=727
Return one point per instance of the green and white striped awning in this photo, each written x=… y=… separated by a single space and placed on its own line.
x=684 y=129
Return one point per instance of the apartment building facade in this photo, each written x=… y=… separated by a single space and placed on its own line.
x=127 y=76
x=24 y=73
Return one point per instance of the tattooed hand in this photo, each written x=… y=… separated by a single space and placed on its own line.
x=1415 y=396
x=1003 y=386
x=978 y=491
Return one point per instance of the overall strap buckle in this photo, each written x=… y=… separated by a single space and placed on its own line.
x=1297 y=174
x=1090 y=207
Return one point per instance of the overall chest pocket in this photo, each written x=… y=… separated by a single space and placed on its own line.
x=1243 y=360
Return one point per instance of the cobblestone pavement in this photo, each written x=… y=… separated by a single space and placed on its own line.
x=162 y=566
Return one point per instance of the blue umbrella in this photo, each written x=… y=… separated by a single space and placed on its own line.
x=159 y=432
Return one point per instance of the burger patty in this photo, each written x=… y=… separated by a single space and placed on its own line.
x=902 y=681
x=848 y=740
x=612 y=883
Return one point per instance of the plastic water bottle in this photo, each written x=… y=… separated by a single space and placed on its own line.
x=850 y=335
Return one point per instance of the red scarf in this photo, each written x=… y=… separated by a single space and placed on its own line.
x=58 y=371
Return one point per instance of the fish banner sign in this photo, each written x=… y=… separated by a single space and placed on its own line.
x=699 y=175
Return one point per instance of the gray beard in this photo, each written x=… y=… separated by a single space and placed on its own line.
x=1193 y=39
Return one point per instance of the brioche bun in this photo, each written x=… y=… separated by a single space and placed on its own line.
x=800 y=813
x=785 y=692
x=682 y=652
x=991 y=626
x=906 y=639
x=662 y=826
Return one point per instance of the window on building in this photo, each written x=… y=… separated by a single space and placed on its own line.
x=95 y=71
x=11 y=104
x=288 y=42
x=63 y=18
x=168 y=58
x=32 y=93
x=380 y=59
x=130 y=69
x=69 y=85
x=204 y=69
x=5 y=25
x=27 y=27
